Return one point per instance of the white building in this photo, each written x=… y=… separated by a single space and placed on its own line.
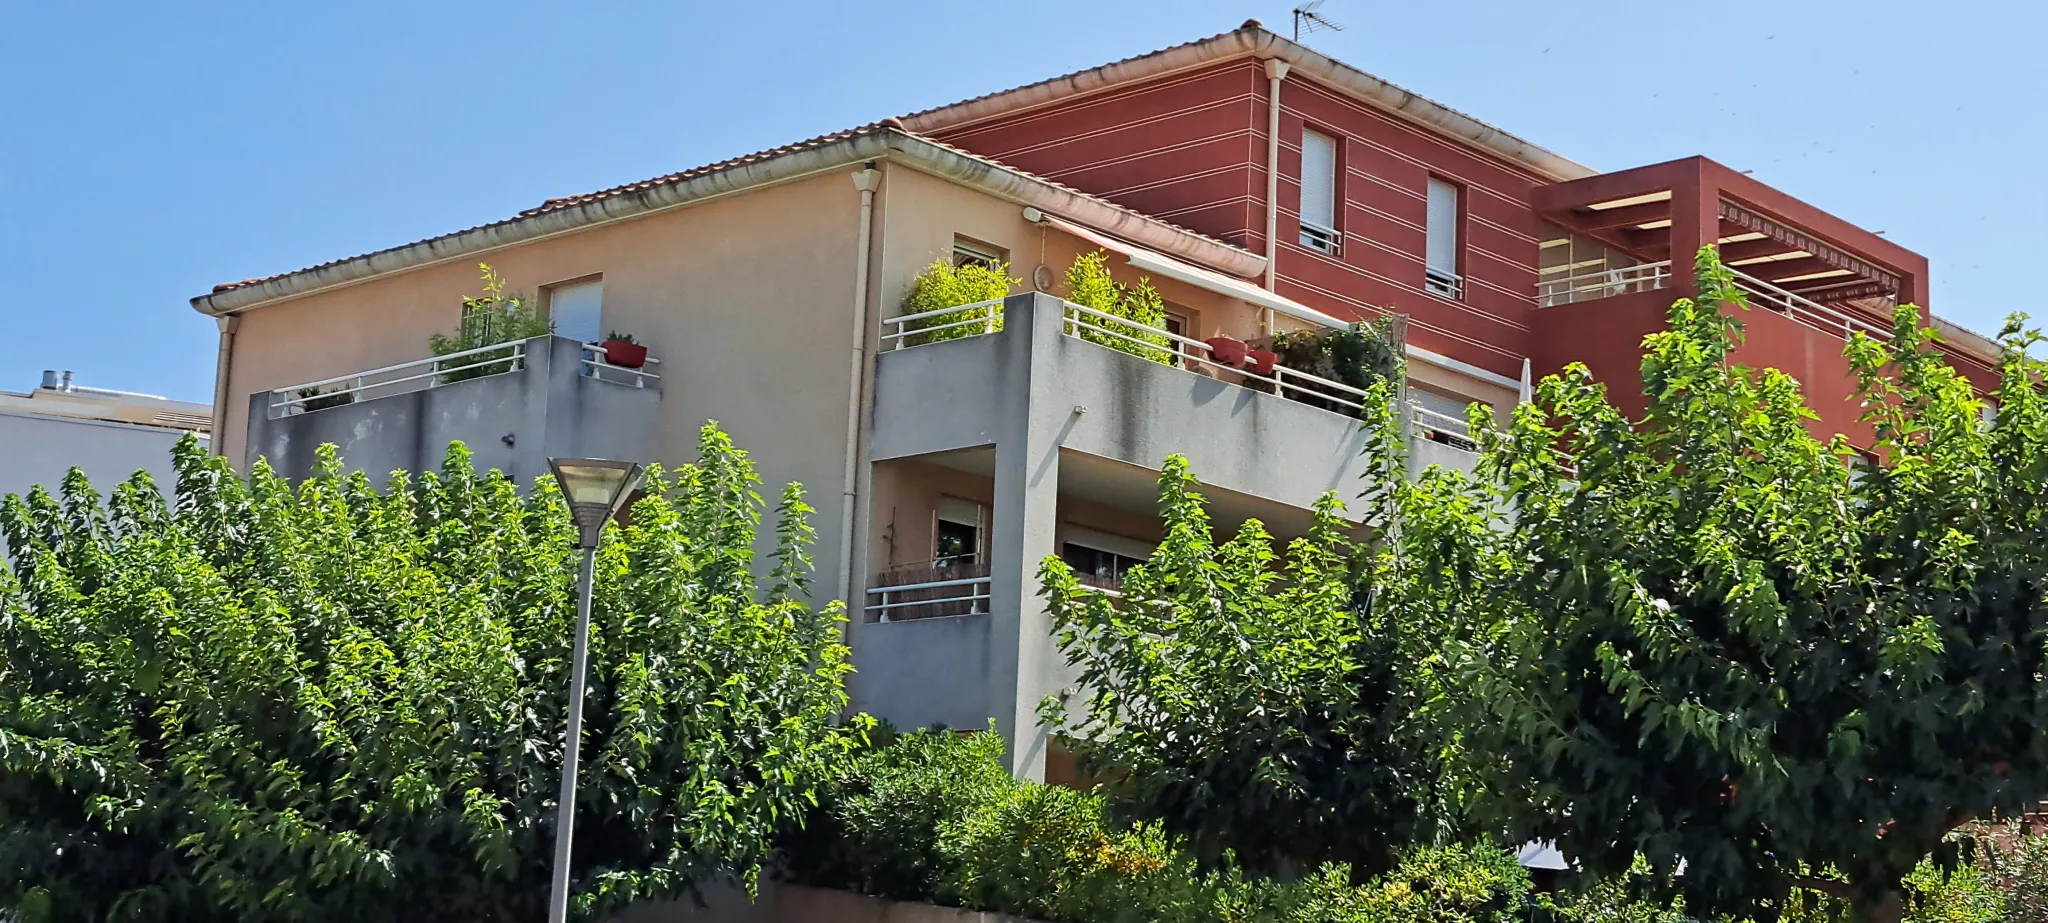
x=110 y=434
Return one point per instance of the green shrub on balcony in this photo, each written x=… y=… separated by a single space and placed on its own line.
x=496 y=316
x=311 y=399
x=944 y=285
x=1361 y=355
x=1089 y=285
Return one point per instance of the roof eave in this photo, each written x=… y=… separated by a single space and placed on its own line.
x=1260 y=43
x=918 y=153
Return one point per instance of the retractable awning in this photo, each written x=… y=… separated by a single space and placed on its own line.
x=1162 y=265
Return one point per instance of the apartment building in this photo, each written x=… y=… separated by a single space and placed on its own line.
x=109 y=434
x=1261 y=187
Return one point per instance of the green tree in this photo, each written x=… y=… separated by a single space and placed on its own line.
x=1089 y=285
x=1722 y=641
x=1278 y=706
x=934 y=817
x=944 y=285
x=330 y=702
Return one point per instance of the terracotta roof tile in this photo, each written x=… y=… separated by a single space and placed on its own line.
x=571 y=201
x=1250 y=24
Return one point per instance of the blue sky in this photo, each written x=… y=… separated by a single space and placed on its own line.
x=150 y=152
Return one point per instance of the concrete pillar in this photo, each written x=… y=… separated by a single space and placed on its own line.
x=549 y=380
x=1024 y=667
x=1695 y=223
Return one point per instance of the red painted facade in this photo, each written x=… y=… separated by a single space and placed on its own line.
x=1191 y=148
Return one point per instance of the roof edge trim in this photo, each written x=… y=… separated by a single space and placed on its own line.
x=1258 y=42
x=887 y=144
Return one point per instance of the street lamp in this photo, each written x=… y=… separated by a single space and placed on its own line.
x=595 y=489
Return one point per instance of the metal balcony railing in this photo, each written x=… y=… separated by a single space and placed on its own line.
x=1603 y=283
x=1806 y=311
x=1185 y=352
x=932 y=589
x=435 y=371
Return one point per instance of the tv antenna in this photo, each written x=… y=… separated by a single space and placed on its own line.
x=1306 y=15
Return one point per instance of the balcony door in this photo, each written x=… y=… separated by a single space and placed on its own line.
x=1100 y=559
x=577 y=310
x=960 y=536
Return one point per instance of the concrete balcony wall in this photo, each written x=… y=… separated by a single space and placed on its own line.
x=1606 y=335
x=924 y=672
x=512 y=422
x=952 y=395
x=1423 y=453
x=1035 y=394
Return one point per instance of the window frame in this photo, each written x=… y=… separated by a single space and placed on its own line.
x=1328 y=240
x=1441 y=283
x=978 y=252
x=550 y=290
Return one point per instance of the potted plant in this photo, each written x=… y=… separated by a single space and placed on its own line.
x=311 y=399
x=620 y=350
x=1227 y=350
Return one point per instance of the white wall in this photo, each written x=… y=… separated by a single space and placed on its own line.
x=37 y=449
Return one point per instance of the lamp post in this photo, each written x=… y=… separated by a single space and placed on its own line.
x=595 y=489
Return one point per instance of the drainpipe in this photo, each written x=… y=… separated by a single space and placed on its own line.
x=1276 y=71
x=228 y=325
x=866 y=180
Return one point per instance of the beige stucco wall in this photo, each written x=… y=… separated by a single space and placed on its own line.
x=924 y=214
x=746 y=301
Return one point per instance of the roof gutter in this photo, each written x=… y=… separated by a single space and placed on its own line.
x=1254 y=41
x=939 y=160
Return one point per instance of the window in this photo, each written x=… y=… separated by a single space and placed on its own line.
x=1574 y=268
x=1177 y=324
x=1099 y=558
x=973 y=252
x=957 y=539
x=1441 y=418
x=577 y=310
x=1095 y=562
x=1442 y=252
x=1319 y=192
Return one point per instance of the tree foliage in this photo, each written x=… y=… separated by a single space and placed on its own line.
x=935 y=818
x=330 y=702
x=1277 y=705
x=944 y=285
x=1722 y=641
x=1089 y=284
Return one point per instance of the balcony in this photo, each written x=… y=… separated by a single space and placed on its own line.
x=1603 y=282
x=514 y=405
x=1033 y=361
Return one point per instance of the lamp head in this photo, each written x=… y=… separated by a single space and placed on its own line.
x=595 y=489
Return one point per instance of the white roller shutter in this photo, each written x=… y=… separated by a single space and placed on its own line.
x=1319 y=180
x=578 y=310
x=1443 y=228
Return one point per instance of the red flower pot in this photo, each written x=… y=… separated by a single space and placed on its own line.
x=624 y=354
x=1262 y=361
x=1227 y=350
